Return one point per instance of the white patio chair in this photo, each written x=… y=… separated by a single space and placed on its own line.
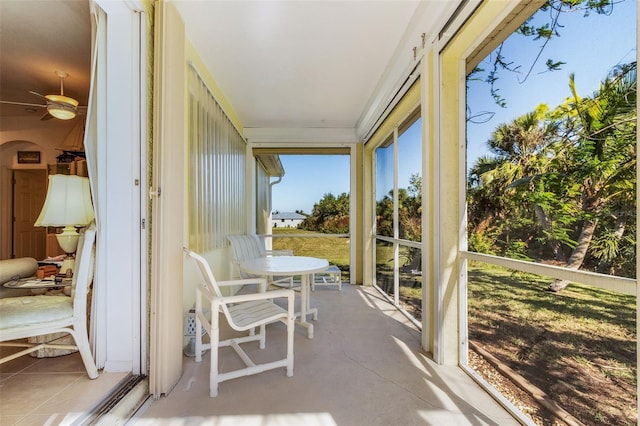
x=332 y=276
x=31 y=316
x=246 y=247
x=244 y=312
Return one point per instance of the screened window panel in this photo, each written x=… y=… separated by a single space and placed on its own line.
x=384 y=190
x=410 y=181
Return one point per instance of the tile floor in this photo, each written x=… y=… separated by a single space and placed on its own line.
x=364 y=366
x=49 y=391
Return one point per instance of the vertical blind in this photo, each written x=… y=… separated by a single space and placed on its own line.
x=217 y=181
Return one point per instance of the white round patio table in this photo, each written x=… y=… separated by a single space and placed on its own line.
x=291 y=265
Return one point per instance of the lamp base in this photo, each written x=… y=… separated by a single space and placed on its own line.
x=68 y=239
x=68 y=264
x=190 y=349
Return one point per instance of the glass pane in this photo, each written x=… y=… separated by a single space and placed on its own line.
x=410 y=183
x=551 y=165
x=579 y=349
x=384 y=266
x=411 y=280
x=552 y=155
x=384 y=190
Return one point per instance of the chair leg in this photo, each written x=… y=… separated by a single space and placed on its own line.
x=82 y=342
x=198 y=348
x=290 y=332
x=213 y=370
x=263 y=336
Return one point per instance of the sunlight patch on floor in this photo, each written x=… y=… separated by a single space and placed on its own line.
x=444 y=417
x=307 y=419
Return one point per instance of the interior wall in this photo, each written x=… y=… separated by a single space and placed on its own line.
x=20 y=135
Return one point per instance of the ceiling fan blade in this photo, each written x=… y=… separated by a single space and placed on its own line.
x=27 y=104
x=37 y=94
x=46 y=116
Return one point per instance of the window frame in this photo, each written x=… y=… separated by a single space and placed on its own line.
x=459 y=50
x=398 y=126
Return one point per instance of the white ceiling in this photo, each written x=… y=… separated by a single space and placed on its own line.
x=309 y=65
x=282 y=64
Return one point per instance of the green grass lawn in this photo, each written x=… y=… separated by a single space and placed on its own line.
x=578 y=346
x=335 y=250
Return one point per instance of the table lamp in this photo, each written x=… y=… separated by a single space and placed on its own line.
x=68 y=205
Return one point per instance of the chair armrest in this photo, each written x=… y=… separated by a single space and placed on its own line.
x=244 y=281
x=290 y=294
x=205 y=291
x=259 y=281
x=279 y=252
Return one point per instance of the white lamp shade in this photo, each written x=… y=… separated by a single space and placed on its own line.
x=68 y=202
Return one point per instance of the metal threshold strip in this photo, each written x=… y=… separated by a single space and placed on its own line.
x=120 y=404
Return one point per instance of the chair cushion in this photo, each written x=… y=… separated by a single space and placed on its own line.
x=28 y=310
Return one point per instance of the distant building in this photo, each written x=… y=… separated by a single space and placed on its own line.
x=286 y=220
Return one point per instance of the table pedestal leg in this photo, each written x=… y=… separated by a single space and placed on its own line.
x=305 y=307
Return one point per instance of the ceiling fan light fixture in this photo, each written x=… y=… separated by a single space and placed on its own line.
x=62 y=107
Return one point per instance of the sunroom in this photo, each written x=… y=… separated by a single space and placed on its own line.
x=230 y=87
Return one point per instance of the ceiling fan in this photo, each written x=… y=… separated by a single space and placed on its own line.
x=58 y=106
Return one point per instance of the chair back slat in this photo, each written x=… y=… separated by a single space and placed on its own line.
x=245 y=247
x=209 y=280
x=205 y=271
x=259 y=245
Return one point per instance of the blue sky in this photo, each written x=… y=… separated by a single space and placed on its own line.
x=590 y=47
x=308 y=178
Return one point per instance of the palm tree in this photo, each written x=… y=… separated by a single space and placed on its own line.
x=604 y=160
x=503 y=184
